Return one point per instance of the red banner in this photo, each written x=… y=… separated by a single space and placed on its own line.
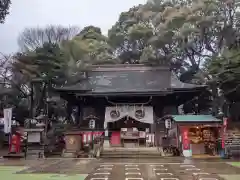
x=224 y=129
x=185 y=139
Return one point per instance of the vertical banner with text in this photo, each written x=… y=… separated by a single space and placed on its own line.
x=7 y=120
x=224 y=129
x=185 y=139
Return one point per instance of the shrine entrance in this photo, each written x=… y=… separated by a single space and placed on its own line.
x=127 y=125
x=128 y=132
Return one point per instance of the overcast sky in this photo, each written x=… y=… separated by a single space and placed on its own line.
x=32 y=13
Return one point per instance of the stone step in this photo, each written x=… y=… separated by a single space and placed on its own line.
x=148 y=149
x=130 y=156
x=130 y=153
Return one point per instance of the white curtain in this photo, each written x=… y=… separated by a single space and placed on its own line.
x=129 y=111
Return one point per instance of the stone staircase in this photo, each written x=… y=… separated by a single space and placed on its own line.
x=138 y=152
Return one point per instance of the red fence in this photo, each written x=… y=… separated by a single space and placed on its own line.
x=87 y=137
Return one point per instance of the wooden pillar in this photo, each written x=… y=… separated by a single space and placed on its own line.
x=69 y=110
x=80 y=112
x=31 y=100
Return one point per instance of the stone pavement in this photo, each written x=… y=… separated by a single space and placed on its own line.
x=127 y=169
x=62 y=166
x=9 y=172
x=151 y=171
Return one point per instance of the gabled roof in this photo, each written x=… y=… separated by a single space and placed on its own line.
x=176 y=84
x=128 y=79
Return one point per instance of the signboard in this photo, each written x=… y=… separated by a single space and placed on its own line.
x=34 y=137
x=168 y=123
x=123 y=129
x=92 y=124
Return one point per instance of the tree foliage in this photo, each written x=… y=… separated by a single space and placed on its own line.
x=226 y=70
x=195 y=37
x=89 y=47
x=185 y=33
x=62 y=61
x=4 y=9
x=129 y=36
x=13 y=93
x=57 y=60
x=45 y=62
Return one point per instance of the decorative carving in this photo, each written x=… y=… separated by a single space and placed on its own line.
x=114 y=114
x=71 y=141
x=139 y=114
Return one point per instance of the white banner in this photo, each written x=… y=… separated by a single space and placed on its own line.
x=1 y=121
x=7 y=120
x=129 y=111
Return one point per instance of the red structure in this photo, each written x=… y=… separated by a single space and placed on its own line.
x=185 y=139
x=224 y=129
x=15 y=142
x=115 y=138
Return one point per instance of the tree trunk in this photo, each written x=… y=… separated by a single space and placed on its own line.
x=215 y=106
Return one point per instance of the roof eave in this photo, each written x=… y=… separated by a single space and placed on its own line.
x=197 y=88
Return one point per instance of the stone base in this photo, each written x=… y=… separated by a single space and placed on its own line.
x=106 y=144
x=69 y=155
x=187 y=153
x=130 y=145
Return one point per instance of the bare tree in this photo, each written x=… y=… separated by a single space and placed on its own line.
x=9 y=77
x=32 y=38
x=4 y=9
x=5 y=68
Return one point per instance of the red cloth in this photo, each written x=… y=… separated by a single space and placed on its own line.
x=185 y=139
x=14 y=146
